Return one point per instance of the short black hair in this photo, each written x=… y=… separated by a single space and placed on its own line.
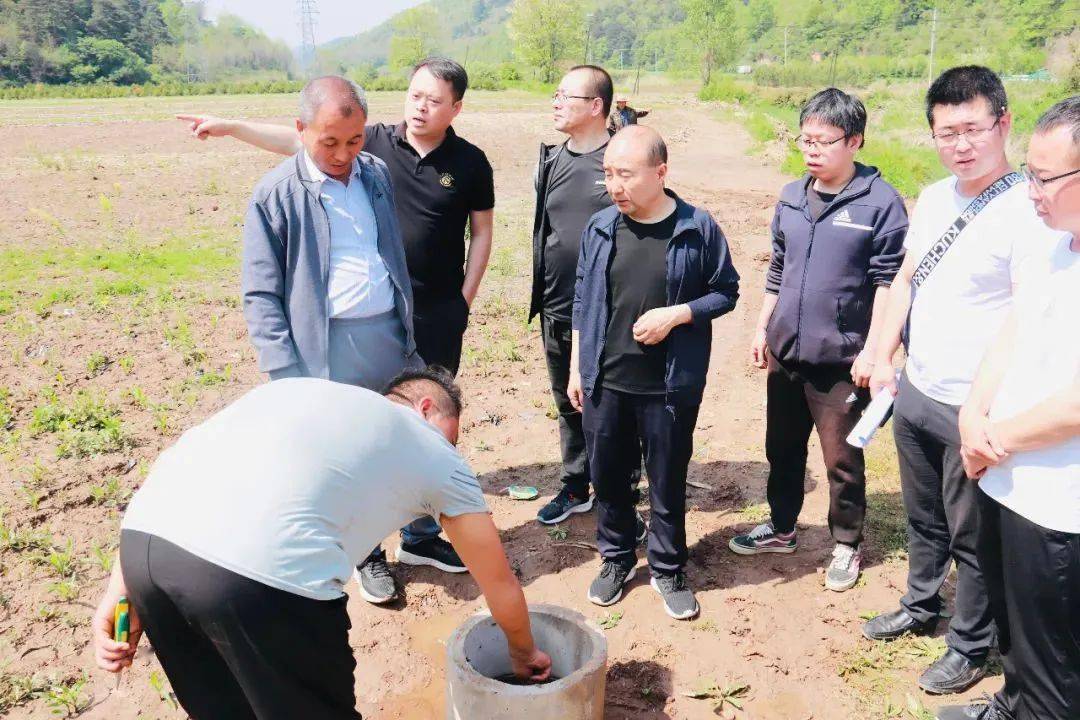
x=964 y=84
x=446 y=70
x=412 y=384
x=600 y=84
x=835 y=107
x=1064 y=114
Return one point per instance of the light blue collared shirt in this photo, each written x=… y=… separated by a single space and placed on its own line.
x=360 y=284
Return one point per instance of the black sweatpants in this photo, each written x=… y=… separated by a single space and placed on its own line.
x=234 y=648
x=439 y=327
x=1033 y=581
x=798 y=401
x=618 y=426
x=575 y=464
x=943 y=520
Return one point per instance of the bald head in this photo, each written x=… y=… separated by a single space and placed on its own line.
x=640 y=140
x=347 y=97
x=635 y=167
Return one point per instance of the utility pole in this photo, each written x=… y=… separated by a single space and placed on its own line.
x=588 y=31
x=307 y=10
x=785 y=44
x=933 y=42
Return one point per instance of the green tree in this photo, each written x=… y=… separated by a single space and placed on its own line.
x=546 y=32
x=106 y=60
x=416 y=33
x=711 y=24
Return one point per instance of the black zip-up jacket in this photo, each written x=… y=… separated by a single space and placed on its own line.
x=548 y=154
x=827 y=271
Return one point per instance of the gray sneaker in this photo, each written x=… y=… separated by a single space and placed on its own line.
x=377 y=585
x=679 y=600
x=844 y=569
x=607 y=587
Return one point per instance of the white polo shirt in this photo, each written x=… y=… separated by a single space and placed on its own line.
x=360 y=284
x=1042 y=485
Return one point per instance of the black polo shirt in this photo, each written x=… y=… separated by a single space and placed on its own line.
x=434 y=196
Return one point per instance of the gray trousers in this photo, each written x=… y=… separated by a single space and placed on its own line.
x=369 y=352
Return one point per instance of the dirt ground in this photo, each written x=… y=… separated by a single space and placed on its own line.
x=102 y=193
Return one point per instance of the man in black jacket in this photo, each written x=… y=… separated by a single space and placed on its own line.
x=838 y=235
x=569 y=190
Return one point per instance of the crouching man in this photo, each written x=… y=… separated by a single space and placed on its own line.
x=235 y=552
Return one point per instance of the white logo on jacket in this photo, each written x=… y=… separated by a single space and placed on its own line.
x=843 y=219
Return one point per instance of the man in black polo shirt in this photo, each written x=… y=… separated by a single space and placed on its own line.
x=569 y=190
x=440 y=182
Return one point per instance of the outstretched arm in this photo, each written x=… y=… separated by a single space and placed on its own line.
x=476 y=540
x=280 y=139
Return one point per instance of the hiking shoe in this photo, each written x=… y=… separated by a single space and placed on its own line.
x=563 y=506
x=951 y=673
x=642 y=531
x=377 y=584
x=843 y=571
x=763 y=539
x=982 y=709
x=435 y=552
x=607 y=587
x=679 y=600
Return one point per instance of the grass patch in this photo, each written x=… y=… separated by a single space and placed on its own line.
x=873 y=669
x=86 y=426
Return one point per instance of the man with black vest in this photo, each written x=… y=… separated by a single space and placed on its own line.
x=838 y=236
x=653 y=273
x=970 y=237
x=570 y=189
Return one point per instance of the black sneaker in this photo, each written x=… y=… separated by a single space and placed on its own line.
x=563 y=506
x=982 y=709
x=377 y=584
x=435 y=552
x=642 y=528
x=607 y=587
x=679 y=600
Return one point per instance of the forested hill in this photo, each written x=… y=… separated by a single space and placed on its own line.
x=129 y=41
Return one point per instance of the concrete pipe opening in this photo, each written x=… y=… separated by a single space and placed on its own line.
x=478 y=655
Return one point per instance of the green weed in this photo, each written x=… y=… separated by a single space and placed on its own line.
x=110 y=493
x=86 y=426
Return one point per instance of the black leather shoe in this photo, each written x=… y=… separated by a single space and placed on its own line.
x=982 y=709
x=951 y=673
x=890 y=626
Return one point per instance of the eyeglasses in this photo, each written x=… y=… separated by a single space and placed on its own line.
x=807 y=144
x=950 y=138
x=560 y=96
x=1039 y=182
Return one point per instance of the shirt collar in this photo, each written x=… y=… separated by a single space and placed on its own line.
x=399 y=130
x=319 y=176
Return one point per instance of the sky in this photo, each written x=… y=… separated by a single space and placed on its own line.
x=336 y=18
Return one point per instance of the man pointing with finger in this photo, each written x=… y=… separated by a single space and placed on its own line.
x=652 y=274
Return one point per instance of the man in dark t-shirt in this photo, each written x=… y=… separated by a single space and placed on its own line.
x=652 y=274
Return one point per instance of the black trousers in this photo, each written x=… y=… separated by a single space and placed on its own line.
x=439 y=326
x=798 y=401
x=1033 y=581
x=575 y=465
x=943 y=520
x=236 y=649
x=618 y=426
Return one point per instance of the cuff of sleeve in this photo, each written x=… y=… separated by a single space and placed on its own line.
x=286 y=372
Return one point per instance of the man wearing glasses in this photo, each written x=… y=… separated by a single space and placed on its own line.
x=970 y=236
x=1020 y=429
x=570 y=189
x=838 y=240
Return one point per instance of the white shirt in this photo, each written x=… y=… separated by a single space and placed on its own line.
x=360 y=284
x=1042 y=485
x=295 y=482
x=965 y=300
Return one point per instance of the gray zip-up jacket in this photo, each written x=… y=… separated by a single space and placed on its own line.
x=286 y=265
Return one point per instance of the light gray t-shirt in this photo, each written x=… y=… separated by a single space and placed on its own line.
x=294 y=483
